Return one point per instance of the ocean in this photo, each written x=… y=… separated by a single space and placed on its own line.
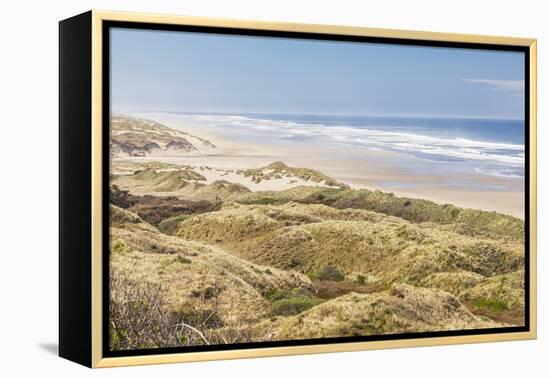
x=441 y=146
x=485 y=146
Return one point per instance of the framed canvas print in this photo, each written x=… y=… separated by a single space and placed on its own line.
x=235 y=189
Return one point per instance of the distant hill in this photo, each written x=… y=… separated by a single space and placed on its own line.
x=140 y=137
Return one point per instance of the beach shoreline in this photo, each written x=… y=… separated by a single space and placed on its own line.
x=358 y=168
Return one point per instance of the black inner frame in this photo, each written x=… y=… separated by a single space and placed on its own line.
x=106 y=86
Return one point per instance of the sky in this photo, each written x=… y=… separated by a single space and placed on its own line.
x=213 y=73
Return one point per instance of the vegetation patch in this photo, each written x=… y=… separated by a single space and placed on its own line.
x=505 y=291
x=469 y=222
x=278 y=170
x=293 y=306
x=290 y=302
x=491 y=305
x=329 y=273
x=400 y=310
x=118 y=246
x=169 y=225
x=266 y=201
x=155 y=209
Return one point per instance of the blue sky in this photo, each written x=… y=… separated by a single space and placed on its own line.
x=193 y=72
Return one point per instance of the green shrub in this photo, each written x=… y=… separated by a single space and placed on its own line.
x=274 y=295
x=266 y=201
x=360 y=279
x=292 y=306
x=329 y=273
x=491 y=305
x=118 y=246
x=290 y=302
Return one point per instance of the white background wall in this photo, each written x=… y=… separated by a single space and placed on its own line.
x=28 y=209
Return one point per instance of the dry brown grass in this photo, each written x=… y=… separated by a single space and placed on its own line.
x=402 y=309
x=501 y=292
x=193 y=278
x=174 y=184
x=452 y=282
x=311 y=237
x=214 y=276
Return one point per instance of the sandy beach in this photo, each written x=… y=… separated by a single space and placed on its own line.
x=356 y=167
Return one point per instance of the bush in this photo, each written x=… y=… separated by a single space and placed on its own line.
x=292 y=306
x=169 y=225
x=274 y=295
x=491 y=305
x=266 y=201
x=290 y=302
x=329 y=273
x=360 y=279
x=118 y=246
x=139 y=318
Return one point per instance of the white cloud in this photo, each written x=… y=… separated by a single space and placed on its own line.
x=513 y=87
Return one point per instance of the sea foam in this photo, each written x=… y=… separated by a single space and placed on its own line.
x=493 y=158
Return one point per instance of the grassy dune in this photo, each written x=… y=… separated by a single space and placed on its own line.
x=195 y=263
x=194 y=280
x=387 y=248
x=466 y=221
x=277 y=170
x=402 y=309
x=139 y=137
x=183 y=182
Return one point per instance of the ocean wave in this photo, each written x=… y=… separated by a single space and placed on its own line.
x=509 y=157
x=501 y=172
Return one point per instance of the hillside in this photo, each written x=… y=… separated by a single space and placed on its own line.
x=465 y=221
x=139 y=137
x=167 y=291
x=201 y=183
x=380 y=248
x=220 y=261
x=189 y=282
x=401 y=309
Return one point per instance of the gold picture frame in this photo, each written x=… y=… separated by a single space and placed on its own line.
x=85 y=32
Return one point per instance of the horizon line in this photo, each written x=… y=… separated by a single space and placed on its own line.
x=434 y=116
